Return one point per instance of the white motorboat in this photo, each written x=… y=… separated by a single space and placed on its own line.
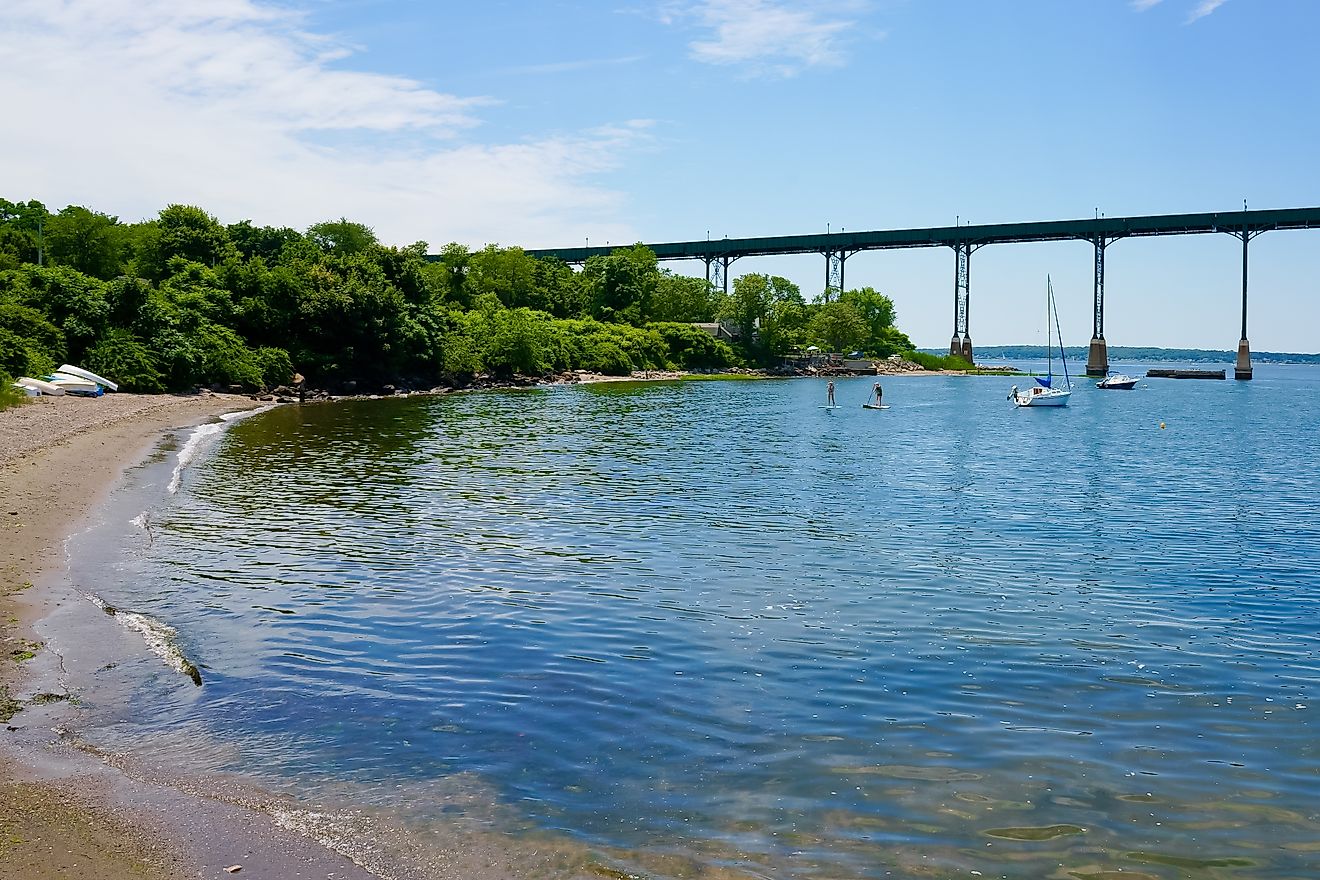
x=41 y=386
x=70 y=370
x=1045 y=393
x=1117 y=381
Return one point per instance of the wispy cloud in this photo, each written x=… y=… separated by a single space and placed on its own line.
x=571 y=66
x=1201 y=10
x=769 y=37
x=1204 y=8
x=128 y=105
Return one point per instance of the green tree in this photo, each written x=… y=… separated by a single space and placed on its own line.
x=21 y=226
x=620 y=286
x=342 y=237
x=876 y=309
x=838 y=326
x=786 y=327
x=265 y=242
x=751 y=299
x=184 y=232
x=85 y=240
x=682 y=298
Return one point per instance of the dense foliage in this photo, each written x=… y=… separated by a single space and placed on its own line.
x=183 y=300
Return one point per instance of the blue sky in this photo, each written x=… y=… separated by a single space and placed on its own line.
x=551 y=123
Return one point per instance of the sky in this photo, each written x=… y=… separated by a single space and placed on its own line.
x=559 y=123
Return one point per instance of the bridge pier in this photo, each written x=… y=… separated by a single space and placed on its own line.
x=961 y=345
x=1097 y=359
x=1242 y=369
x=721 y=273
x=834 y=268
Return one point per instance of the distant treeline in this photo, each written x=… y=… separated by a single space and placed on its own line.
x=182 y=300
x=1139 y=354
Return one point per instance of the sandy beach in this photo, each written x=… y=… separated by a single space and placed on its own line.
x=64 y=813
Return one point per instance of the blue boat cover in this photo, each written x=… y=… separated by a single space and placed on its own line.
x=1044 y=380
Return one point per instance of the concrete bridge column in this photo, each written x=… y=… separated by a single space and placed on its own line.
x=1097 y=359
x=1242 y=369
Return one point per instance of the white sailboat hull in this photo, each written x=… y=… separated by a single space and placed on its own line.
x=1042 y=397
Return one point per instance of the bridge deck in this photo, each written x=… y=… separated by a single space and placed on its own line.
x=1109 y=228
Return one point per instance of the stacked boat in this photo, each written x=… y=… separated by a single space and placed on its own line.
x=68 y=379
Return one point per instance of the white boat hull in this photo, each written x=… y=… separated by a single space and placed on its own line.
x=75 y=385
x=1117 y=383
x=70 y=370
x=41 y=386
x=1042 y=397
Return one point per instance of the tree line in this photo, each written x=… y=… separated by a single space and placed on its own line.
x=182 y=301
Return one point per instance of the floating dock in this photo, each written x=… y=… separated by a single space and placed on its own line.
x=1184 y=374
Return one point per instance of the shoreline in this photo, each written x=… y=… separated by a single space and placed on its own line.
x=65 y=812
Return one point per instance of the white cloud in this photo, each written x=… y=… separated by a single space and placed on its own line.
x=1204 y=8
x=1143 y=5
x=128 y=105
x=766 y=36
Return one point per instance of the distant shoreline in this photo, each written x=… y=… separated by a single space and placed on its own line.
x=1138 y=354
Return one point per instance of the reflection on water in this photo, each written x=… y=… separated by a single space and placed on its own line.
x=708 y=629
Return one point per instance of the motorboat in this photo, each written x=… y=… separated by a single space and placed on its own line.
x=1117 y=381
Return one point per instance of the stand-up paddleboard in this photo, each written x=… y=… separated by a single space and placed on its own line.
x=88 y=375
x=875 y=406
x=30 y=392
x=830 y=406
x=41 y=386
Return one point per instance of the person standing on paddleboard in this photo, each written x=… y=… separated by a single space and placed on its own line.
x=879 y=393
x=830 y=388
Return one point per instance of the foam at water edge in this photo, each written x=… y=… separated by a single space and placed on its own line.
x=197 y=442
x=160 y=637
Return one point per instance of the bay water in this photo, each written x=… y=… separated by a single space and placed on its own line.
x=711 y=629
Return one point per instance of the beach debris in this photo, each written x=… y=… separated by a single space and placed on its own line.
x=233 y=869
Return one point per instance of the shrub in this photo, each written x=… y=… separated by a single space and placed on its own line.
x=224 y=358
x=9 y=395
x=127 y=362
x=938 y=362
x=22 y=357
x=608 y=358
x=693 y=347
x=274 y=366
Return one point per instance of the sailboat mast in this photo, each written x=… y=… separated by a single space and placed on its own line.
x=1049 y=343
x=1058 y=331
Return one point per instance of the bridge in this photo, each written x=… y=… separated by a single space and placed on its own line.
x=837 y=247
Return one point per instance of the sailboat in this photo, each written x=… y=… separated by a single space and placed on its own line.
x=1045 y=393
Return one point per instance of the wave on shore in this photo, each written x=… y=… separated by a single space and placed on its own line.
x=200 y=438
x=160 y=637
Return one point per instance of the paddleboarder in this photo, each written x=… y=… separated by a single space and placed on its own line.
x=830 y=389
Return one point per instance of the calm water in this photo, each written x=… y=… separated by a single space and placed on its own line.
x=708 y=629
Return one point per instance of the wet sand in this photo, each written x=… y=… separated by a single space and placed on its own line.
x=63 y=812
